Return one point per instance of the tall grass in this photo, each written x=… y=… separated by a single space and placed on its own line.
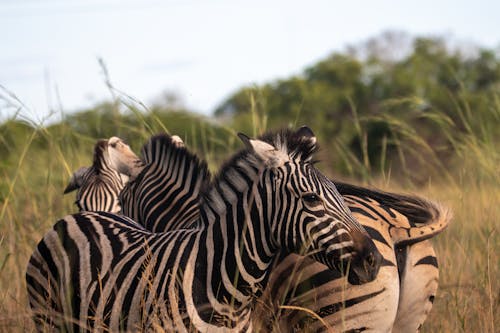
x=468 y=252
x=40 y=163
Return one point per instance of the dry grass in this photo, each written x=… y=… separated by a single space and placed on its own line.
x=468 y=298
x=468 y=252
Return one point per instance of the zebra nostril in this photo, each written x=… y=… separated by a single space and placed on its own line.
x=371 y=259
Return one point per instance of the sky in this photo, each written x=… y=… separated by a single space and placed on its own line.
x=200 y=50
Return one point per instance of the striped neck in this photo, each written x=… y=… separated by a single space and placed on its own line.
x=101 y=162
x=237 y=233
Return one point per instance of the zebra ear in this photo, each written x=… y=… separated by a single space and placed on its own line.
x=76 y=180
x=271 y=156
x=177 y=141
x=306 y=132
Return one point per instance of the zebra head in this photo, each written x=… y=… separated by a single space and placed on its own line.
x=123 y=159
x=306 y=213
x=97 y=186
x=100 y=161
x=82 y=176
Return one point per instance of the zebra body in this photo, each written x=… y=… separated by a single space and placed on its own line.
x=168 y=187
x=99 y=185
x=404 y=288
x=105 y=271
x=400 y=297
x=164 y=194
x=416 y=293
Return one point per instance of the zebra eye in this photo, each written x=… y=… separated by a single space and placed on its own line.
x=311 y=198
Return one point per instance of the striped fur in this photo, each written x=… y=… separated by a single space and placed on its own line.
x=395 y=221
x=100 y=270
x=164 y=194
x=419 y=278
x=386 y=304
x=97 y=186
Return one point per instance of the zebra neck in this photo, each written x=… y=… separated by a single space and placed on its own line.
x=241 y=253
x=237 y=237
x=109 y=177
x=135 y=168
x=101 y=165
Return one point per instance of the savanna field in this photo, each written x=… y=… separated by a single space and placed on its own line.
x=427 y=124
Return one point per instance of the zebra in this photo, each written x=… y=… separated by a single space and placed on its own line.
x=96 y=190
x=163 y=195
x=98 y=270
x=151 y=202
x=416 y=260
x=98 y=186
x=414 y=282
x=398 y=300
x=416 y=294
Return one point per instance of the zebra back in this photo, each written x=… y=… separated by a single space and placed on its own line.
x=414 y=221
x=298 y=285
x=97 y=186
x=164 y=195
x=424 y=219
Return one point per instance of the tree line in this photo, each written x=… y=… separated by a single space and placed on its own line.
x=408 y=106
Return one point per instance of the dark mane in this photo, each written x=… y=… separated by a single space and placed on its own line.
x=231 y=163
x=294 y=143
x=181 y=153
x=98 y=162
x=416 y=209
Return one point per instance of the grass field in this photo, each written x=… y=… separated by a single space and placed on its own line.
x=468 y=299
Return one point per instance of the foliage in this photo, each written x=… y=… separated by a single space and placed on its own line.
x=432 y=89
x=426 y=120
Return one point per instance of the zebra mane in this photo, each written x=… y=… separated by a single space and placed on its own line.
x=161 y=147
x=294 y=143
x=416 y=209
x=99 y=161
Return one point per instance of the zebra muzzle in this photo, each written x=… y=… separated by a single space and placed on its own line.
x=365 y=264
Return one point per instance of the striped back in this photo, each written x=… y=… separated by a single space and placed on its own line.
x=164 y=194
x=300 y=282
x=97 y=186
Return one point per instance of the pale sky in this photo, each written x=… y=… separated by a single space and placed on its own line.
x=201 y=50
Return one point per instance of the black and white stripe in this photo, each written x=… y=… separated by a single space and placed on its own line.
x=398 y=300
x=100 y=270
x=164 y=194
x=394 y=221
x=97 y=186
x=419 y=280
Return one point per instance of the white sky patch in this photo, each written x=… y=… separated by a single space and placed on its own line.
x=203 y=51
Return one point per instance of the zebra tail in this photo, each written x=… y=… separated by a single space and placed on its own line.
x=439 y=219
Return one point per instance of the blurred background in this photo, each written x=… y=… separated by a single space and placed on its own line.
x=202 y=51
x=403 y=96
